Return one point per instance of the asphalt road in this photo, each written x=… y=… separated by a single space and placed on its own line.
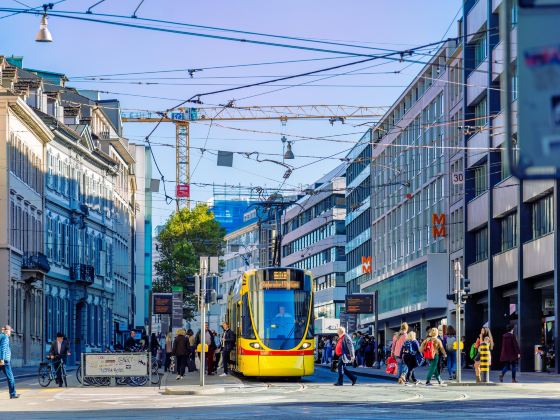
x=311 y=398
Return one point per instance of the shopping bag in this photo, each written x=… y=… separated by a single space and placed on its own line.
x=392 y=367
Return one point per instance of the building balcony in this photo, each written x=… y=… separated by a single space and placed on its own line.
x=477 y=212
x=504 y=196
x=35 y=261
x=476 y=18
x=477 y=82
x=538 y=256
x=478 y=146
x=498 y=56
x=535 y=189
x=477 y=273
x=505 y=265
x=82 y=273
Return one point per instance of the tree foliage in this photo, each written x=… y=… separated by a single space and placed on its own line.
x=187 y=235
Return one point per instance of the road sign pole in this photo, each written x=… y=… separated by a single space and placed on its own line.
x=202 y=289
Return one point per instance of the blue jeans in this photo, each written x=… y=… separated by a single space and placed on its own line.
x=360 y=357
x=7 y=369
x=341 y=369
x=403 y=368
x=451 y=363
x=508 y=366
x=327 y=355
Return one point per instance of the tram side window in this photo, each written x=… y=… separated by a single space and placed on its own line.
x=246 y=327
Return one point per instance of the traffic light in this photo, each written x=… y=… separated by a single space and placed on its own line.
x=452 y=297
x=465 y=288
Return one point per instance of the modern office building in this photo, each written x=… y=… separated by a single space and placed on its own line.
x=313 y=239
x=409 y=260
x=358 y=214
x=241 y=253
x=510 y=226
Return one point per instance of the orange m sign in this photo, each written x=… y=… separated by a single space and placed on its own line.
x=366 y=265
x=438 y=225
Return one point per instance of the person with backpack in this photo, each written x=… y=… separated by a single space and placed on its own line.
x=398 y=342
x=411 y=356
x=430 y=349
x=451 y=348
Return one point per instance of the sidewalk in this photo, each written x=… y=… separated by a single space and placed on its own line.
x=468 y=377
x=190 y=384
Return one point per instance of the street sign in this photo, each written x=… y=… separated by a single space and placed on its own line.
x=539 y=89
x=457 y=178
x=177 y=312
x=162 y=303
x=349 y=321
x=191 y=114
x=183 y=191
x=359 y=304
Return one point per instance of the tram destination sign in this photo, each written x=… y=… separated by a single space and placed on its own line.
x=359 y=304
x=163 y=303
x=281 y=284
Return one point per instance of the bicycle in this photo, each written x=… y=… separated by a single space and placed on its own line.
x=91 y=380
x=48 y=373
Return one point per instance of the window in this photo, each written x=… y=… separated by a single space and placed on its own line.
x=542 y=217
x=480 y=179
x=480 y=244
x=514 y=82
x=480 y=113
x=508 y=234
x=480 y=50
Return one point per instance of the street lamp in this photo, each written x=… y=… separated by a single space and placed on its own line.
x=289 y=154
x=44 y=35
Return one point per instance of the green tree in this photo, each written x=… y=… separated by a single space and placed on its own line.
x=186 y=236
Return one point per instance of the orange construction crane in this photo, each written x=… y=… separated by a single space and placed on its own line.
x=182 y=118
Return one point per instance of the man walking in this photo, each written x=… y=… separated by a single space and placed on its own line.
x=346 y=355
x=5 y=358
x=58 y=353
x=228 y=341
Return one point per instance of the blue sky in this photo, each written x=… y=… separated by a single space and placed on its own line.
x=82 y=48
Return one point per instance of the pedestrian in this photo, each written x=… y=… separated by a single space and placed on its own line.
x=154 y=345
x=346 y=355
x=191 y=364
x=327 y=351
x=168 y=351
x=510 y=354
x=482 y=360
x=369 y=353
x=228 y=343
x=411 y=356
x=209 y=341
x=398 y=341
x=131 y=344
x=58 y=353
x=5 y=360
x=180 y=351
x=431 y=348
x=361 y=350
x=451 y=349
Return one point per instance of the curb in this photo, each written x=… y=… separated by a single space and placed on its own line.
x=201 y=391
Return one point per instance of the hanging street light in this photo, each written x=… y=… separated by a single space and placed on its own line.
x=289 y=154
x=44 y=35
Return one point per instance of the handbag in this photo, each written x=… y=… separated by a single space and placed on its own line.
x=392 y=367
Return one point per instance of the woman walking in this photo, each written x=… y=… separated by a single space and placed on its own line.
x=451 y=347
x=483 y=359
x=398 y=342
x=411 y=356
x=168 y=351
x=510 y=354
x=430 y=348
x=180 y=351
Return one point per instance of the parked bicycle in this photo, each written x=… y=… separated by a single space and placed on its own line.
x=48 y=373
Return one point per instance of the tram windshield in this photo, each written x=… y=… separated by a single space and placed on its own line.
x=281 y=315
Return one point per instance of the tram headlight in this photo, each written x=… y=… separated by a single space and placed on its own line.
x=305 y=345
x=255 y=345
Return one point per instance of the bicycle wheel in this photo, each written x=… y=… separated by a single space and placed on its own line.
x=79 y=376
x=64 y=375
x=138 y=380
x=44 y=376
x=155 y=372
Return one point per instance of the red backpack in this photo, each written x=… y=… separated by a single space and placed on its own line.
x=429 y=350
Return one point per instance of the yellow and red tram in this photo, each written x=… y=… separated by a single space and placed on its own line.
x=270 y=310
